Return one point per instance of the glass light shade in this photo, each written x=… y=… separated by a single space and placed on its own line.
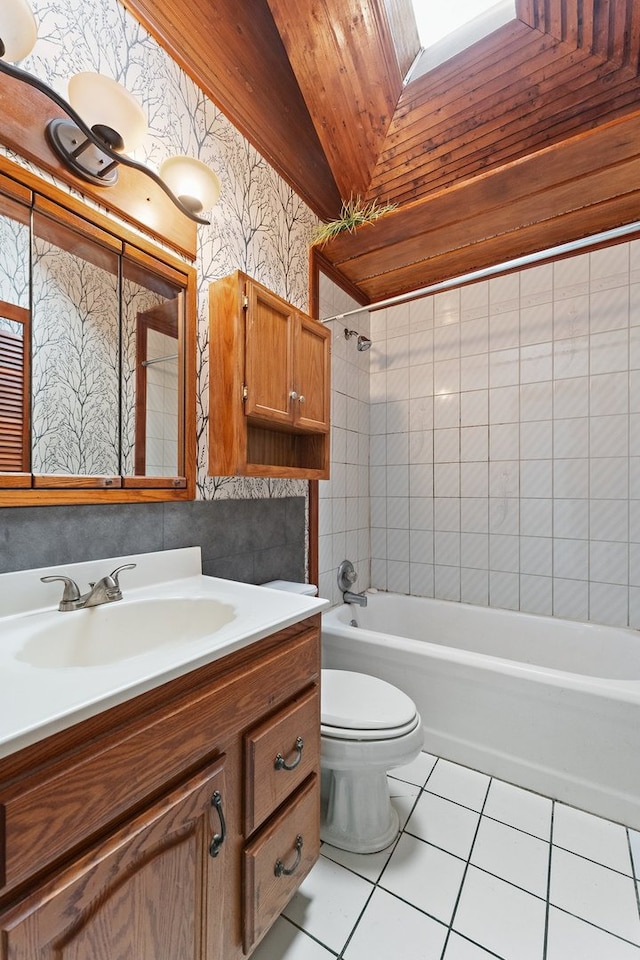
x=18 y=29
x=190 y=179
x=102 y=101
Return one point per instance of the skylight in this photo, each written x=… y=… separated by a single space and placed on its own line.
x=446 y=27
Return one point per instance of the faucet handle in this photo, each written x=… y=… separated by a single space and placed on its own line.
x=70 y=594
x=114 y=575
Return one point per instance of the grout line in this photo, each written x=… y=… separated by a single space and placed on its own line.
x=466 y=868
x=634 y=870
x=548 y=903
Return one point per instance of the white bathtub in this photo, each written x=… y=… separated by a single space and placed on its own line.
x=549 y=704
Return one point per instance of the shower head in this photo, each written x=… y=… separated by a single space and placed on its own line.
x=363 y=343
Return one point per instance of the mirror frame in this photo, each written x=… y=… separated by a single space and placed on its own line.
x=26 y=489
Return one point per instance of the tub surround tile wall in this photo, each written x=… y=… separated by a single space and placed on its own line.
x=344 y=499
x=505 y=441
x=249 y=540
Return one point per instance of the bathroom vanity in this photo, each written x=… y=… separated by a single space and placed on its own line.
x=177 y=822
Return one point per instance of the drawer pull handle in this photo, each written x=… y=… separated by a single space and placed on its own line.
x=281 y=764
x=280 y=870
x=218 y=838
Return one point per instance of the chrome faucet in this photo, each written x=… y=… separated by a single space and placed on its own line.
x=358 y=598
x=347 y=576
x=106 y=590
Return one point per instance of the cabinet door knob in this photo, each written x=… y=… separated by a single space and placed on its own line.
x=294 y=395
x=280 y=870
x=301 y=399
x=281 y=764
x=218 y=838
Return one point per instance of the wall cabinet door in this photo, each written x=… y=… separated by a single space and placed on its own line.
x=311 y=364
x=287 y=363
x=268 y=356
x=151 y=890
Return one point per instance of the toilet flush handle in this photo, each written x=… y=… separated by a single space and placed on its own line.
x=281 y=764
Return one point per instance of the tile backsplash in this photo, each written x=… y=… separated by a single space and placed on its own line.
x=249 y=540
x=505 y=440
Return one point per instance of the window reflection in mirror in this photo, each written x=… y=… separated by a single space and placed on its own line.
x=75 y=346
x=152 y=380
x=14 y=337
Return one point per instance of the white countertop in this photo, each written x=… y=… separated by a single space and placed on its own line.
x=38 y=699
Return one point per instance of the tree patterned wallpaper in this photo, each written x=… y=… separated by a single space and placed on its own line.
x=259 y=226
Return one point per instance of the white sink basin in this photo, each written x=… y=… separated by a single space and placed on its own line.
x=59 y=668
x=105 y=634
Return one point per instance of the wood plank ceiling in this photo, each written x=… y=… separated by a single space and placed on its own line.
x=528 y=138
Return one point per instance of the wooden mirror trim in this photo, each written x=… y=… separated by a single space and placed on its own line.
x=24 y=489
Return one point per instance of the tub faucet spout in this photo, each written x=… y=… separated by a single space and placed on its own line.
x=358 y=598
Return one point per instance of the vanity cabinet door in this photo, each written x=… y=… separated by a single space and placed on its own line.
x=152 y=889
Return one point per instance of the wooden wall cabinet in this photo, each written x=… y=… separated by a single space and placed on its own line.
x=269 y=384
x=146 y=832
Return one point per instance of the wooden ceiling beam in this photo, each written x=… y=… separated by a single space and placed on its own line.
x=346 y=65
x=576 y=186
x=232 y=50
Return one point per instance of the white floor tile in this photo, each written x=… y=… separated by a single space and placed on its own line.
x=457 y=783
x=444 y=824
x=403 y=797
x=416 y=772
x=594 y=893
x=519 y=808
x=634 y=840
x=513 y=856
x=328 y=903
x=424 y=876
x=286 y=942
x=573 y=939
x=500 y=917
x=591 y=837
x=367 y=865
x=389 y=926
x=460 y=949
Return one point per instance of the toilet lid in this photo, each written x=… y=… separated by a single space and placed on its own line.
x=358 y=702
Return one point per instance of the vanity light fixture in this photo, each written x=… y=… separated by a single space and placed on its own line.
x=104 y=120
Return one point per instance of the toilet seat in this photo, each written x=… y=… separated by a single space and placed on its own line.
x=356 y=706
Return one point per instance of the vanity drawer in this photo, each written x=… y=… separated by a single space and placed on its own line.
x=277 y=860
x=279 y=754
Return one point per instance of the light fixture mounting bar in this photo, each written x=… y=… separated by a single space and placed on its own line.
x=118 y=158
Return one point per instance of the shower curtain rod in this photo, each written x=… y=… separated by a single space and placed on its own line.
x=572 y=246
x=148 y=363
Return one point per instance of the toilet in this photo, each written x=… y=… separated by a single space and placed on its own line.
x=368 y=727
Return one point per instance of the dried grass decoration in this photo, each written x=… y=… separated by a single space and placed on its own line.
x=354 y=213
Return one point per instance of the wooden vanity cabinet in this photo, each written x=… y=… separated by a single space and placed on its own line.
x=143 y=832
x=269 y=384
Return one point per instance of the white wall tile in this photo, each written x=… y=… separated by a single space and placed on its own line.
x=474 y=586
x=536 y=594
x=505 y=433
x=536 y=401
x=571 y=317
x=474 y=407
x=571 y=599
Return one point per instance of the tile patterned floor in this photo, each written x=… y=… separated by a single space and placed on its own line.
x=481 y=870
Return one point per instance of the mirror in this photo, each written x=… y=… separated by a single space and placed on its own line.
x=96 y=334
